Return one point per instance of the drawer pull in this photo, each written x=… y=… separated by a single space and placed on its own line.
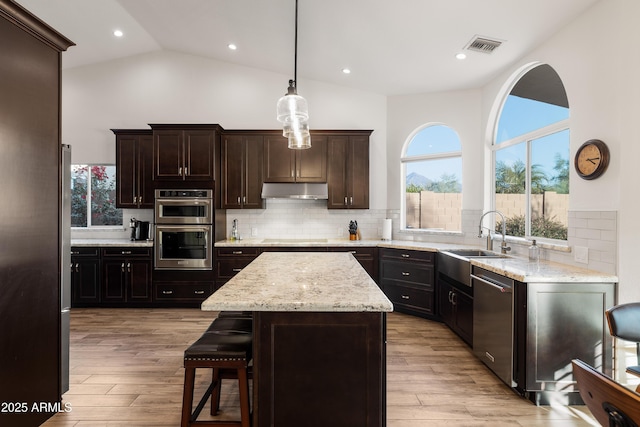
x=405 y=296
x=126 y=252
x=404 y=273
x=237 y=252
x=198 y=292
x=236 y=270
x=354 y=252
x=167 y=292
x=406 y=256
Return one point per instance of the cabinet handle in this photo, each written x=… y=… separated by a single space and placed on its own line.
x=186 y=171
x=237 y=252
x=122 y=267
x=354 y=252
x=180 y=170
x=77 y=267
x=128 y=267
x=126 y=252
x=244 y=199
x=75 y=252
x=405 y=256
x=345 y=200
x=238 y=199
x=140 y=199
x=167 y=292
x=351 y=200
x=236 y=270
x=405 y=273
x=450 y=292
x=198 y=292
x=454 y=298
x=405 y=296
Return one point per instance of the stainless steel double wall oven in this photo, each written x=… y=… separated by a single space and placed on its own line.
x=184 y=229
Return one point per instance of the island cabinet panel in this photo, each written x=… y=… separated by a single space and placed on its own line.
x=348 y=171
x=321 y=369
x=134 y=168
x=86 y=275
x=185 y=152
x=407 y=277
x=242 y=171
x=127 y=275
x=282 y=164
x=366 y=256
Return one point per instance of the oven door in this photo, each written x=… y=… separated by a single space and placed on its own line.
x=183 y=247
x=183 y=211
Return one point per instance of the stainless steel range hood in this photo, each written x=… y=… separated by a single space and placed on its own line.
x=313 y=191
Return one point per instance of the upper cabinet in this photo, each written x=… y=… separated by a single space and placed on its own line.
x=348 y=170
x=134 y=168
x=282 y=164
x=242 y=171
x=185 y=152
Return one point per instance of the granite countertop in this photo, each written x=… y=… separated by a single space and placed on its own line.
x=301 y=281
x=112 y=242
x=295 y=242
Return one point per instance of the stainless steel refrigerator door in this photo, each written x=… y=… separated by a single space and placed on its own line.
x=65 y=267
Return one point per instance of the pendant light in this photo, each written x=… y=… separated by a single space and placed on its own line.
x=292 y=108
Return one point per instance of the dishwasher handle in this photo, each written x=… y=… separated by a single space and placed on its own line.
x=499 y=286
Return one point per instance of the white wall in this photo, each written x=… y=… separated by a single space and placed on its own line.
x=169 y=87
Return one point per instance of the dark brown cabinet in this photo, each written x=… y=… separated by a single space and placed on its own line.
x=348 y=171
x=366 y=256
x=407 y=277
x=456 y=308
x=127 y=275
x=184 y=152
x=85 y=276
x=231 y=261
x=242 y=171
x=134 y=168
x=282 y=164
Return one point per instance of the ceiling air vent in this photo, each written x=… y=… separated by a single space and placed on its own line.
x=483 y=44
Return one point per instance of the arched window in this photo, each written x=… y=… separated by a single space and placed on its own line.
x=432 y=180
x=531 y=157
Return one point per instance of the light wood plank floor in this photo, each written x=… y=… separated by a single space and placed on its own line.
x=126 y=370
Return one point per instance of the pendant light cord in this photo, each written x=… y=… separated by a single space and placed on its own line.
x=295 y=50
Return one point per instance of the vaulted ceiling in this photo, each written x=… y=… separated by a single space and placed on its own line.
x=391 y=47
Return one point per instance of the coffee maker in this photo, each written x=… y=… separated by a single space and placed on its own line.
x=139 y=229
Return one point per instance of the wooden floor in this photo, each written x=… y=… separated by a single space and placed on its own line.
x=126 y=370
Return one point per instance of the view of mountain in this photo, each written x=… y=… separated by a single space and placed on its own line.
x=418 y=180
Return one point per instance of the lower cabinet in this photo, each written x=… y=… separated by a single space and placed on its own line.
x=127 y=274
x=407 y=278
x=366 y=256
x=85 y=276
x=230 y=261
x=182 y=291
x=456 y=308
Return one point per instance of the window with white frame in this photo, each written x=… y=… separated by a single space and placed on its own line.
x=432 y=180
x=531 y=157
x=93 y=196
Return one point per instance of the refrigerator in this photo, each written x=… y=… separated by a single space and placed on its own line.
x=65 y=267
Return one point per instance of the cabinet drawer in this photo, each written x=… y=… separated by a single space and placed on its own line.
x=227 y=268
x=358 y=252
x=126 y=252
x=418 y=299
x=243 y=251
x=408 y=255
x=414 y=273
x=183 y=291
x=85 y=252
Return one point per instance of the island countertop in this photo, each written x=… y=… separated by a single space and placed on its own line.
x=301 y=281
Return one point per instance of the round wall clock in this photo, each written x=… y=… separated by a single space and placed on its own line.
x=592 y=159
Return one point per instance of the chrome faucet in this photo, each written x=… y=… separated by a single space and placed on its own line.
x=503 y=246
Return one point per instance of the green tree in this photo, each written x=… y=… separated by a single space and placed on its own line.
x=448 y=183
x=513 y=179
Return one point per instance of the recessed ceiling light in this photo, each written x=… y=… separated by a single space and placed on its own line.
x=118 y=33
x=232 y=46
x=346 y=71
x=460 y=55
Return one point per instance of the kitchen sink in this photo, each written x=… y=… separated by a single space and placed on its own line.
x=455 y=264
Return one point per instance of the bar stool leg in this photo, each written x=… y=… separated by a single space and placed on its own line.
x=243 y=389
x=187 y=396
x=216 y=392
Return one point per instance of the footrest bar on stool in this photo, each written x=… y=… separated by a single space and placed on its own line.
x=203 y=401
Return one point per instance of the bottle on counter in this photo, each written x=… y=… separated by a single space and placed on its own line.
x=534 y=252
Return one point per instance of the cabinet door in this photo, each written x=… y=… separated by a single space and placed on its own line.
x=198 y=155
x=168 y=155
x=464 y=317
x=85 y=281
x=445 y=305
x=358 y=172
x=232 y=171
x=311 y=164
x=253 y=176
x=337 y=172
x=126 y=171
x=145 y=172
x=114 y=281
x=139 y=280
x=279 y=160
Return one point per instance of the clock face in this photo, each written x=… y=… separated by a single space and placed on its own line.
x=592 y=159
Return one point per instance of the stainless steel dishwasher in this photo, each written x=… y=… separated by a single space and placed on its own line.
x=493 y=322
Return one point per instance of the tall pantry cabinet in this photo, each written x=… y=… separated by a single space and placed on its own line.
x=30 y=232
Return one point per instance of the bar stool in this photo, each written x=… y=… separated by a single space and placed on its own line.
x=220 y=352
x=231 y=325
x=235 y=314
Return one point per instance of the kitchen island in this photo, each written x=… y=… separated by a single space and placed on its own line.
x=319 y=339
